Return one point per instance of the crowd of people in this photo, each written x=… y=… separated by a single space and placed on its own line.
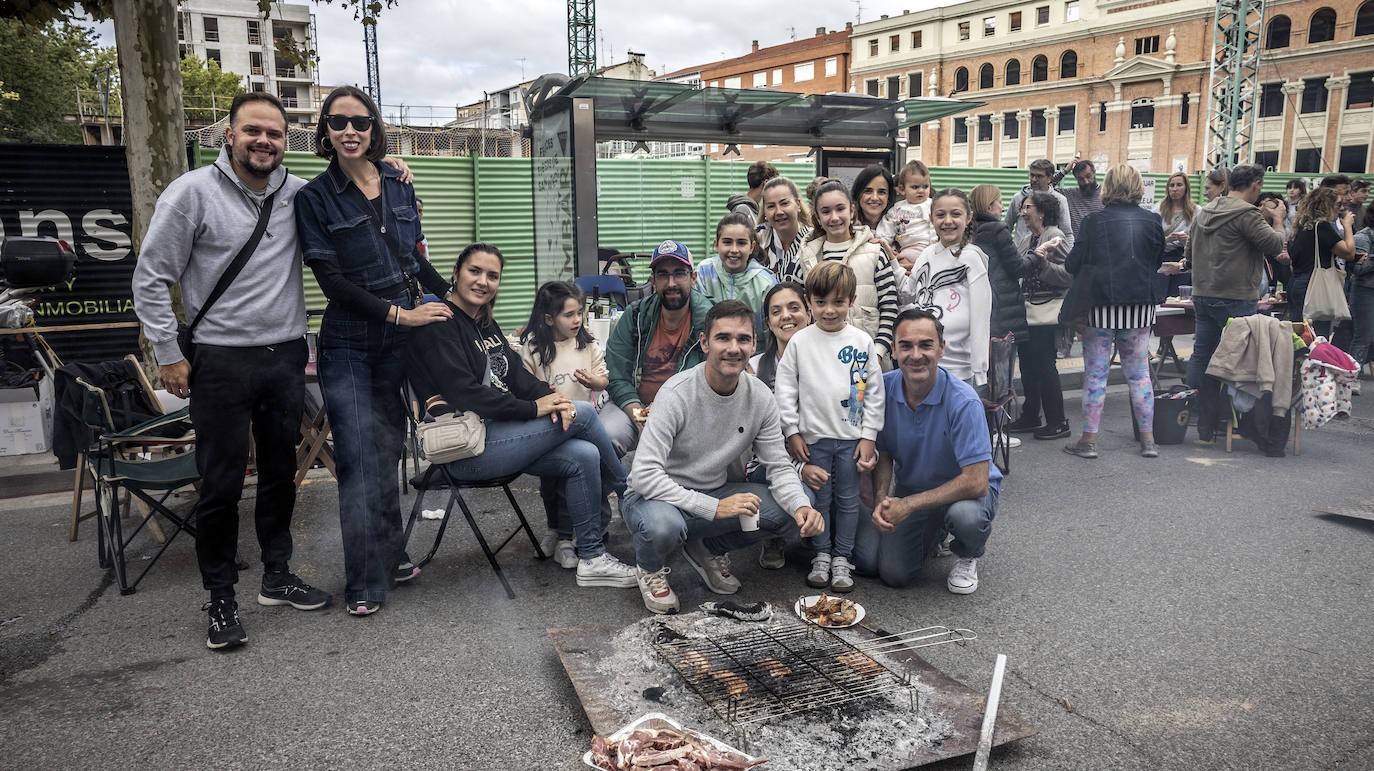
x=823 y=375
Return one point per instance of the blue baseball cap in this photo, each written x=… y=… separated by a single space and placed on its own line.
x=672 y=250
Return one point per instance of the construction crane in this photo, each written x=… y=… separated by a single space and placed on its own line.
x=374 y=73
x=1233 y=84
x=581 y=37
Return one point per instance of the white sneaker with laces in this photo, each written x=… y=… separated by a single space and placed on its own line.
x=840 y=580
x=714 y=569
x=565 y=554
x=548 y=543
x=963 y=577
x=819 y=576
x=605 y=570
x=658 y=596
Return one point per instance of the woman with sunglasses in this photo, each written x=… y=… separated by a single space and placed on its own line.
x=358 y=229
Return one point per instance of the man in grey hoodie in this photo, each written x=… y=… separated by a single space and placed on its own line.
x=748 y=203
x=249 y=364
x=1229 y=239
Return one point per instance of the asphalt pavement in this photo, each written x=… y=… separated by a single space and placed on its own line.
x=1180 y=613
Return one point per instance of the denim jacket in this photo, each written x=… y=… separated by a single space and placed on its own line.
x=336 y=225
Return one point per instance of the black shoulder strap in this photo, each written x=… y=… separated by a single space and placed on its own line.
x=232 y=272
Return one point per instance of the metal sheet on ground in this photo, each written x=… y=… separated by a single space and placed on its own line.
x=580 y=648
x=1364 y=510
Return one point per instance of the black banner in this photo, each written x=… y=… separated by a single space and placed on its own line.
x=79 y=194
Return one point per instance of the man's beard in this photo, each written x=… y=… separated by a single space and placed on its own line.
x=244 y=157
x=675 y=301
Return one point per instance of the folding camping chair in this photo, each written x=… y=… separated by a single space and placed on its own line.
x=149 y=461
x=1000 y=398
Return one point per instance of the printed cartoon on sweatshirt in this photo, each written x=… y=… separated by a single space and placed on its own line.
x=857 y=360
x=927 y=287
x=498 y=366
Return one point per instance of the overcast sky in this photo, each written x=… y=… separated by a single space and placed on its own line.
x=447 y=52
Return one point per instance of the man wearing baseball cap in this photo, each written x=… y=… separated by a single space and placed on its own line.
x=659 y=335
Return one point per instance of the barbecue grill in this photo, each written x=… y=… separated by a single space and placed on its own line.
x=770 y=671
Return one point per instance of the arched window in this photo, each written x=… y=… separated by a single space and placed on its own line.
x=1040 y=69
x=985 y=76
x=1364 y=19
x=1068 y=65
x=961 y=79
x=1322 y=27
x=1014 y=69
x=1279 y=30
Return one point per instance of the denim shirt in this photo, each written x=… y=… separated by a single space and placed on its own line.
x=336 y=225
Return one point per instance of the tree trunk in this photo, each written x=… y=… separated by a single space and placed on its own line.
x=154 y=123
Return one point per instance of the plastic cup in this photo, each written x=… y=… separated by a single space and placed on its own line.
x=748 y=522
x=1185 y=292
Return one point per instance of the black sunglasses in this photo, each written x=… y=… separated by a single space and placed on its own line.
x=341 y=122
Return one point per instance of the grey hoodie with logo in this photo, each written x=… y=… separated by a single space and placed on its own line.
x=202 y=220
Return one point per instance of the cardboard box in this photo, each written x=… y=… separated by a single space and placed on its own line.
x=26 y=423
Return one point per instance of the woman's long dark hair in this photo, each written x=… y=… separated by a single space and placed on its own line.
x=549 y=301
x=376 y=148
x=861 y=181
x=768 y=367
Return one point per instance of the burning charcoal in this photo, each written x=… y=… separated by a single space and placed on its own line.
x=734 y=684
x=697 y=660
x=774 y=667
x=759 y=611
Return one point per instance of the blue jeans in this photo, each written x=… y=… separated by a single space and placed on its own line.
x=361 y=367
x=582 y=456
x=836 y=456
x=1211 y=314
x=1362 y=316
x=623 y=436
x=659 y=528
x=896 y=558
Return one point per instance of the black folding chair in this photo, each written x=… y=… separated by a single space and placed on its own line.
x=1000 y=398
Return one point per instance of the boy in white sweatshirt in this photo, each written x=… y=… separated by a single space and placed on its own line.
x=830 y=400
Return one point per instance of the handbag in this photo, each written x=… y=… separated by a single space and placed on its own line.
x=186 y=332
x=452 y=436
x=1043 y=314
x=1325 y=299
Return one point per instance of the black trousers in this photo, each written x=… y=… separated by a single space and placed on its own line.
x=1040 y=375
x=231 y=390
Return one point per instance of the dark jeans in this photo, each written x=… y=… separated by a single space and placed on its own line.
x=362 y=365
x=1040 y=375
x=233 y=389
x=896 y=558
x=1362 y=316
x=1211 y=314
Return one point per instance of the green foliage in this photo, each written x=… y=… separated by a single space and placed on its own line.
x=43 y=66
x=206 y=89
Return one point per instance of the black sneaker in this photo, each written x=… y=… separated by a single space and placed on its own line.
x=226 y=631
x=1056 y=431
x=287 y=589
x=405 y=572
x=1023 y=425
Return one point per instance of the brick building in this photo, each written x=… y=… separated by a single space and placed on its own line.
x=1122 y=80
x=814 y=65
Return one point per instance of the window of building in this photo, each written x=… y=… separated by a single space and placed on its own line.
x=1353 y=159
x=985 y=76
x=1322 y=27
x=182 y=52
x=1068 y=119
x=285 y=68
x=259 y=87
x=989 y=26
x=871 y=87
x=1267 y=159
x=894 y=87
x=211 y=29
x=1307 y=161
x=1142 y=114
x=913 y=135
x=1278 y=32
x=1042 y=16
x=984 y=128
x=803 y=72
x=255 y=62
x=1011 y=127
x=1364 y=19
x=777 y=77
x=1071 y=10
x=914 y=83
x=1068 y=65
x=960 y=131
x=1360 y=93
x=760 y=79
x=1037 y=123
x=1040 y=69
x=182 y=21
x=735 y=82
x=961 y=79
x=288 y=95
x=1013 y=77
x=254 y=32
x=832 y=67
x=1313 y=95
x=873 y=47
x=1271 y=100
x=212 y=55
x=1101 y=116
x=1014 y=20
x=894 y=43
x=1147 y=45
x=916 y=39
x=964 y=30
x=1185 y=108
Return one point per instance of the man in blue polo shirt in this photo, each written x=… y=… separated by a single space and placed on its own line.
x=935 y=458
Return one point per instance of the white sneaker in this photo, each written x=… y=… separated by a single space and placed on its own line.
x=548 y=543
x=840 y=580
x=653 y=587
x=605 y=570
x=771 y=556
x=565 y=554
x=819 y=576
x=714 y=569
x=963 y=577
x=1012 y=441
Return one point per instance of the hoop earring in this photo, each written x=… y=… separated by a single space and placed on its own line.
x=326 y=144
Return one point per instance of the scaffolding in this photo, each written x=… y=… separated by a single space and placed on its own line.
x=581 y=37
x=1233 y=82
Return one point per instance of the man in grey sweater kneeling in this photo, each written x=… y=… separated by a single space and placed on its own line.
x=686 y=485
